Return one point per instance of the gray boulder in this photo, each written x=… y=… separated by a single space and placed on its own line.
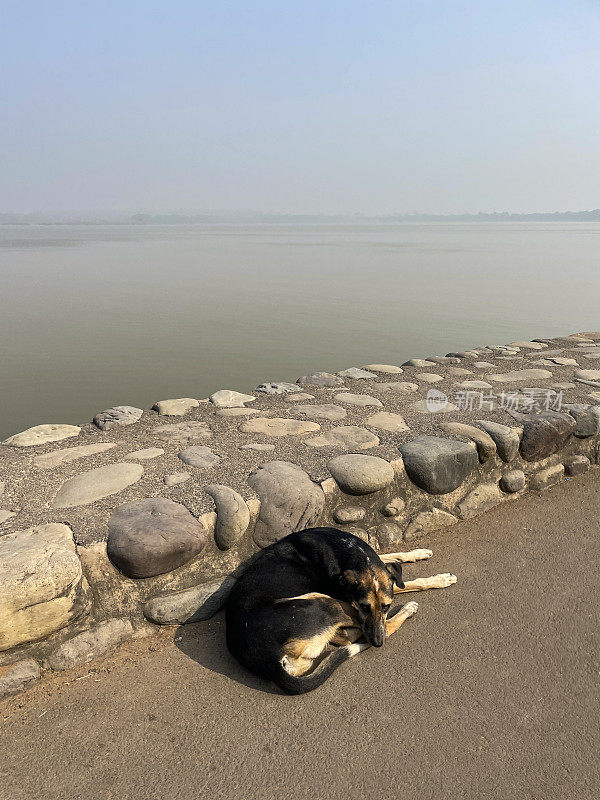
x=513 y=481
x=233 y=515
x=192 y=605
x=438 y=465
x=506 y=438
x=587 y=418
x=116 y=416
x=153 y=536
x=289 y=501
x=544 y=434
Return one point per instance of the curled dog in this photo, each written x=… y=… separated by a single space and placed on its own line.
x=313 y=589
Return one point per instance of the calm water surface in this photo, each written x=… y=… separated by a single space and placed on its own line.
x=94 y=316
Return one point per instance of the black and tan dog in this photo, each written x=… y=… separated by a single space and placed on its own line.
x=313 y=589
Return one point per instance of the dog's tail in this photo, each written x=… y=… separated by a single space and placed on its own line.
x=299 y=684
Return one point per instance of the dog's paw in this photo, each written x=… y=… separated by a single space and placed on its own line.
x=420 y=554
x=443 y=580
x=409 y=609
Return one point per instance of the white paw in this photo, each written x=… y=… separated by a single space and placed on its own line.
x=409 y=609
x=420 y=555
x=443 y=580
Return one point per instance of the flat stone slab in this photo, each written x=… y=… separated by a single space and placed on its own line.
x=227 y=398
x=473 y=385
x=289 y=501
x=146 y=454
x=41 y=584
x=402 y=387
x=429 y=407
x=5 y=515
x=418 y=362
x=176 y=478
x=361 y=400
x=428 y=377
x=437 y=465
x=388 y=369
x=276 y=426
x=521 y=375
x=324 y=411
x=356 y=374
x=237 y=412
x=350 y=437
x=68 y=454
x=386 y=421
x=297 y=397
x=117 y=416
x=91 y=644
x=97 y=484
x=175 y=408
x=587 y=374
x=529 y=345
x=261 y=447
x=153 y=536
x=279 y=387
x=182 y=432
x=428 y=521
x=359 y=474
x=199 y=456
x=322 y=379
x=42 y=434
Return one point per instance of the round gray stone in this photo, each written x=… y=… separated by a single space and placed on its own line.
x=345 y=515
x=359 y=474
x=153 y=536
x=513 y=481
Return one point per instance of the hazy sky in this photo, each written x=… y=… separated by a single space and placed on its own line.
x=319 y=105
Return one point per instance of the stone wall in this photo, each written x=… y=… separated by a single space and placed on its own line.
x=145 y=518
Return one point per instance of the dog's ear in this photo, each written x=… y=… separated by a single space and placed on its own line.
x=349 y=579
x=395 y=570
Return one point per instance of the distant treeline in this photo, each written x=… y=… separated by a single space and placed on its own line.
x=504 y=216
x=258 y=218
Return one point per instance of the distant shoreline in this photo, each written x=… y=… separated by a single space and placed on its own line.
x=265 y=219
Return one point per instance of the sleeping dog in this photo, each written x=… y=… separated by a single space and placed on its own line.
x=312 y=589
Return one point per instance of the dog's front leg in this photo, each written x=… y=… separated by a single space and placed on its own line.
x=392 y=625
x=441 y=581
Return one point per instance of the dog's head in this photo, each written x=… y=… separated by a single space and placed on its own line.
x=370 y=590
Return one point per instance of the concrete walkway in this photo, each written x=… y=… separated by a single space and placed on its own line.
x=491 y=691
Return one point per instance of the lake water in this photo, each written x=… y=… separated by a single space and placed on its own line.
x=102 y=315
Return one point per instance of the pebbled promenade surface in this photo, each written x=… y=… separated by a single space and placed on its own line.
x=490 y=691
